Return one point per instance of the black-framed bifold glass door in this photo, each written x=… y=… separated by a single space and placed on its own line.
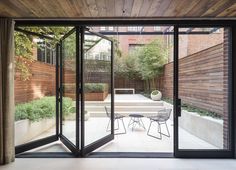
x=80 y=82
x=203 y=115
x=173 y=87
x=81 y=79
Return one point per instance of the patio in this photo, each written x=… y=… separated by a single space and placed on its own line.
x=133 y=141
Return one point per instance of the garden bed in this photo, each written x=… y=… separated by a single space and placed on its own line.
x=92 y=91
x=26 y=130
x=204 y=127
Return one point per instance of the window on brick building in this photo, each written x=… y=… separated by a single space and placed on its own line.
x=46 y=53
x=106 y=28
x=157 y=28
x=136 y=28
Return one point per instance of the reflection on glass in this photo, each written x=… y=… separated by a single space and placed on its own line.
x=69 y=87
x=97 y=82
x=35 y=99
x=203 y=88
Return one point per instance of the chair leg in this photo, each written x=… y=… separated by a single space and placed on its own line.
x=168 y=133
x=108 y=125
x=159 y=129
x=123 y=127
x=107 y=129
x=117 y=124
x=150 y=128
x=130 y=122
x=142 y=123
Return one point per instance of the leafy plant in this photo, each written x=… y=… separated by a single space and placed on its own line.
x=155 y=92
x=201 y=112
x=24 y=45
x=95 y=87
x=151 y=59
x=41 y=108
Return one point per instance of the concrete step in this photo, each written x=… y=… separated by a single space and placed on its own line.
x=126 y=108
x=124 y=113
x=130 y=103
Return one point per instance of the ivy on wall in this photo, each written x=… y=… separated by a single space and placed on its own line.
x=24 y=46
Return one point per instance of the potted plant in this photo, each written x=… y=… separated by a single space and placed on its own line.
x=156 y=95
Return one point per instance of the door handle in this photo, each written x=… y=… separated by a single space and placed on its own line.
x=178 y=107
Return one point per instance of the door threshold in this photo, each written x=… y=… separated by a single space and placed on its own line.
x=131 y=155
x=97 y=155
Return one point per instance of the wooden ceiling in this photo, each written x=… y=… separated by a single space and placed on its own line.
x=117 y=8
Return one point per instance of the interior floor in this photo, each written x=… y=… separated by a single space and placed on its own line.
x=120 y=164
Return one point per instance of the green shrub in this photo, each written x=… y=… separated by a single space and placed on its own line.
x=155 y=92
x=201 y=112
x=41 y=108
x=95 y=87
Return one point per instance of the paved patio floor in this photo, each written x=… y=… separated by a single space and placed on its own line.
x=133 y=141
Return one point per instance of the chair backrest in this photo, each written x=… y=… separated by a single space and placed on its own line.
x=164 y=114
x=108 y=111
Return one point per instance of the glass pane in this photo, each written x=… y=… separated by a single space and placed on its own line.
x=203 y=88
x=97 y=84
x=34 y=93
x=69 y=87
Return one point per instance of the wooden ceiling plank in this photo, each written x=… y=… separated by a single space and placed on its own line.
x=18 y=7
x=219 y=7
x=187 y=7
x=74 y=9
x=144 y=8
x=128 y=7
x=163 y=7
x=92 y=8
x=171 y=9
x=154 y=7
x=227 y=11
x=101 y=5
x=110 y=5
x=35 y=8
x=136 y=8
x=78 y=12
x=51 y=7
x=200 y=8
x=6 y=11
x=232 y=14
x=84 y=8
x=119 y=5
x=70 y=10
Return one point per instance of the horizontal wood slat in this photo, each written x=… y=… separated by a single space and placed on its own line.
x=203 y=79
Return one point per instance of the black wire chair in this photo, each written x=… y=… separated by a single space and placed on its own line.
x=160 y=118
x=117 y=118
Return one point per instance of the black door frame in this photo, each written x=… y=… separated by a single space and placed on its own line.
x=198 y=22
x=72 y=147
x=52 y=138
x=85 y=150
x=200 y=153
x=79 y=149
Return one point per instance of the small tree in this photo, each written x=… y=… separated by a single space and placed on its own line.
x=151 y=59
x=127 y=66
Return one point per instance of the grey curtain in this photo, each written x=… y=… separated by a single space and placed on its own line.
x=7 y=150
